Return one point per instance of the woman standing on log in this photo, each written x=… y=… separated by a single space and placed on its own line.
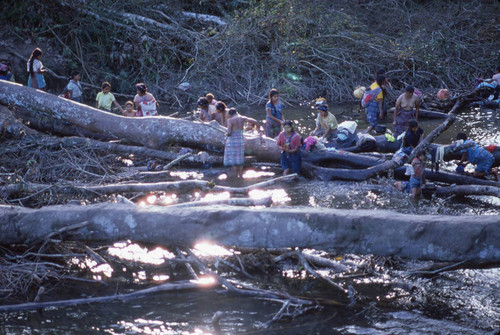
x=274 y=116
x=220 y=114
x=234 y=151
x=36 y=71
x=407 y=106
x=145 y=102
x=289 y=142
x=375 y=109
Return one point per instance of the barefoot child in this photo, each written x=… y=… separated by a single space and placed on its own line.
x=74 y=87
x=36 y=70
x=417 y=178
x=289 y=142
x=105 y=98
x=129 y=109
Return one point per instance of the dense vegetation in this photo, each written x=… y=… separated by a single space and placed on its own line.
x=306 y=48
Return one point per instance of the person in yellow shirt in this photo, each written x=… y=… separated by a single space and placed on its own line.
x=105 y=98
x=326 y=123
x=375 y=109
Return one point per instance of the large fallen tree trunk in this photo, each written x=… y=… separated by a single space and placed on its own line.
x=152 y=132
x=385 y=233
x=449 y=178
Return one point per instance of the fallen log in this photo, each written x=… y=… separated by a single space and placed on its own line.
x=426 y=114
x=327 y=174
x=152 y=132
x=448 y=178
x=379 y=232
x=461 y=191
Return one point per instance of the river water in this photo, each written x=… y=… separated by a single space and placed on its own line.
x=390 y=299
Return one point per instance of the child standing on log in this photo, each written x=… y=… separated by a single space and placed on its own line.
x=477 y=155
x=274 y=115
x=290 y=142
x=105 y=98
x=36 y=71
x=234 y=151
x=220 y=114
x=129 y=109
x=74 y=87
x=417 y=178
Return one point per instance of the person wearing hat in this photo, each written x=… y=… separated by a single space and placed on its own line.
x=204 y=113
x=407 y=106
x=326 y=123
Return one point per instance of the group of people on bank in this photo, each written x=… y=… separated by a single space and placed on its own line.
x=405 y=120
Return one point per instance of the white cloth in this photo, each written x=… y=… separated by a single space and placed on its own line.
x=409 y=170
x=75 y=88
x=439 y=155
x=37 y=65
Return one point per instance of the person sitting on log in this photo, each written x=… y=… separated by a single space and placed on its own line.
x=234 y=150
x=290 y=142
x=105 y=98
x=477 y=155
x=326 y=123
x=407 y=106
x=412 y=137
x=204 y=113
x=145 y=102
x=274 y=114
x=417 y=178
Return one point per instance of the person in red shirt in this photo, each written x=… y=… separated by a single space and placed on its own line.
x=290 y=142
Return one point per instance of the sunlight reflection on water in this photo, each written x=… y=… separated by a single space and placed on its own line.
x=187 y=174
x=252 y=174
x=134 y=252
x=205 y=248
x=277 y=195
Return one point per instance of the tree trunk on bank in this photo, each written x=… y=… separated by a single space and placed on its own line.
x=448 y=178
x=384 y=233
x=153 y=132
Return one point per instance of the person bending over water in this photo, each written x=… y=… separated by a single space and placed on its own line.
x=234 y=150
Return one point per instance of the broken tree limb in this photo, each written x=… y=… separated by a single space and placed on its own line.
x=379 y=232
x=167 y=287
x=152 y=132
x=326 y=174
x=464 y=190
x=231 y=201
x=449 y=178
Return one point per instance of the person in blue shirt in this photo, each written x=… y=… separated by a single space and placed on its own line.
x=477 y=155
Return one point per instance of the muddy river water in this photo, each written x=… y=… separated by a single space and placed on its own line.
x=391 y=300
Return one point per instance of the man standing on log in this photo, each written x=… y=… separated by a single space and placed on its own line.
x=234 y=151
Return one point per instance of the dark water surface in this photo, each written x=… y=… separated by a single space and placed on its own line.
x=389 y=301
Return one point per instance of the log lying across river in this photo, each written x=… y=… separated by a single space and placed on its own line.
x=153 y=132
x=379 y=232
